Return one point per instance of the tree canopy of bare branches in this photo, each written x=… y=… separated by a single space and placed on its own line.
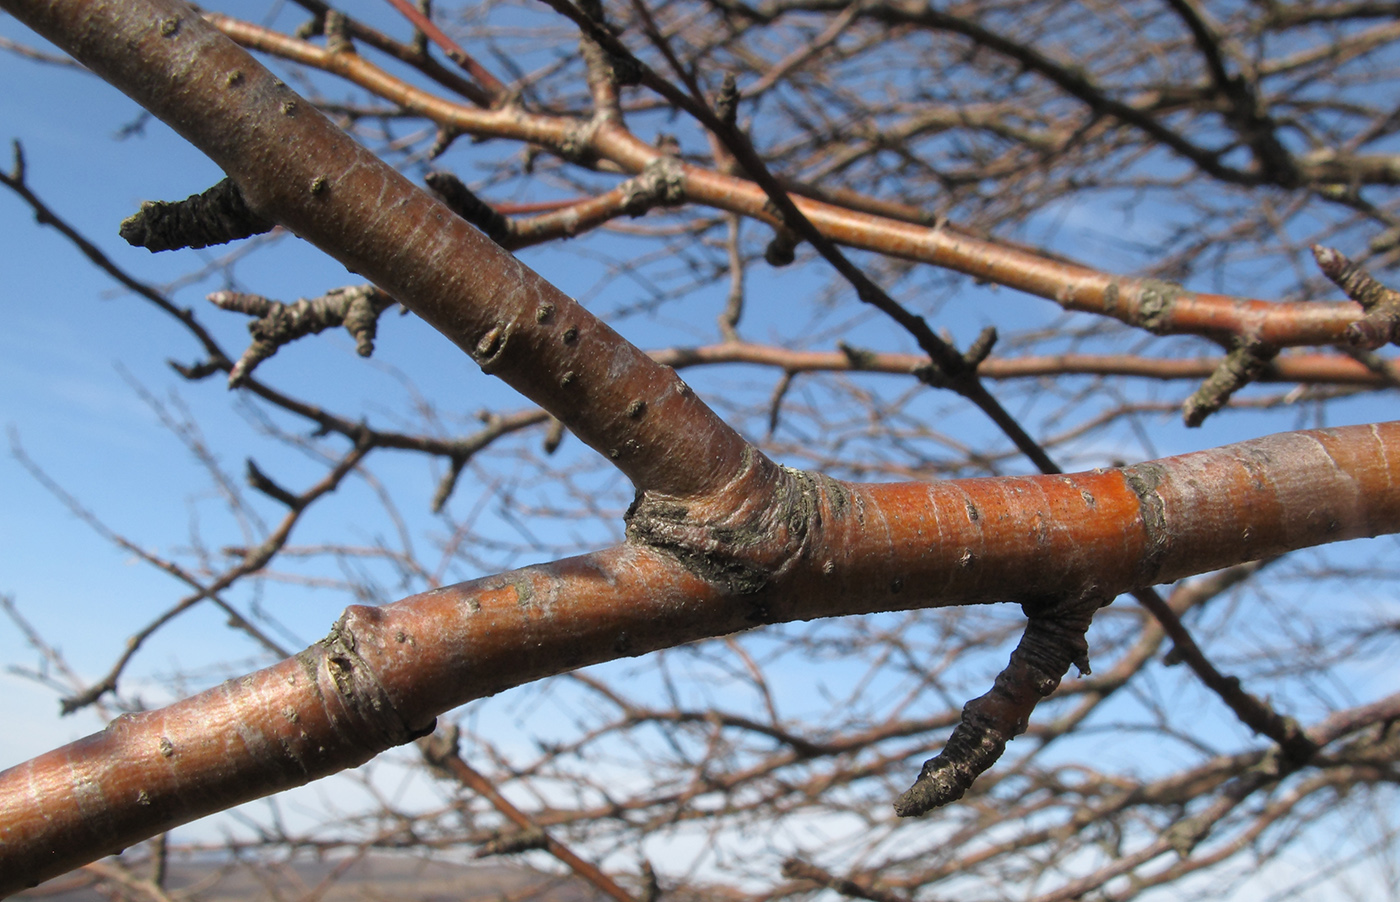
x=931 y=425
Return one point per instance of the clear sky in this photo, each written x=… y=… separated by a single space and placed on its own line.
x=81 y=361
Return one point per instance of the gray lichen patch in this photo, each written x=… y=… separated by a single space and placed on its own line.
x=838 y=498
x=660 y=183
x=1155 y=301
x=1144 y=480
x=310 y=662
x=524 y=590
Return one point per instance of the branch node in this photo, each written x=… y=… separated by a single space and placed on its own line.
x=73 y=703
x=577 y=144
x=357 y=308
x=660 y=184
x=947 y=368
x=311 y=27
x=741 y=551
x=797 y=869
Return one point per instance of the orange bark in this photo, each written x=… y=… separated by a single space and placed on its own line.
x=1161 y=307
x=1312 y=369
x=720 y=539
x=384 y=673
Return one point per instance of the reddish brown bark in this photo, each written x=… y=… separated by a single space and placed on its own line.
x=830 y=549
x=296 y=168
x=1307 y=368
x=720 y=539
x=1158 y=306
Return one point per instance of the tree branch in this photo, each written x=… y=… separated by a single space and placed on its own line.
x=834 y=549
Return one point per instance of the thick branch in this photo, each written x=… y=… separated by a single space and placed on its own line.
x=294 y=167
x=384 y=673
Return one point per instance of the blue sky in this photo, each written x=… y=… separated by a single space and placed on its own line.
x=77 y=354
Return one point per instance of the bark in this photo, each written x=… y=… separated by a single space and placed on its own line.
x=294 y=167
x=1160 y=306
x=720 y=538
x=828 y=549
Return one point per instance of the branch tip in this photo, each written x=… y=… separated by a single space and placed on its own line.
x=461 y=200
x=782 y=249
x=554 y=436
x=1053 y=640
x=17 y=173
x=195 y=372
x=216 y=216
x=727 y=100
x=448 y=482
x=259 y=480
x=1240 y=367
x=1381 y=324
